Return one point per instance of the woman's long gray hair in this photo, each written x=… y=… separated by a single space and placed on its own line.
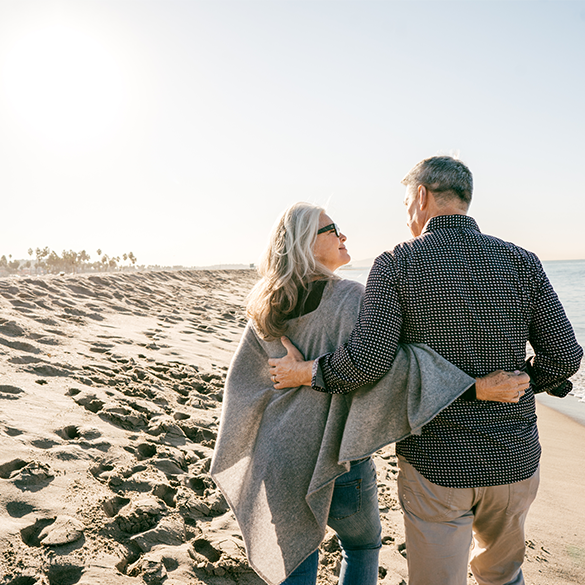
x=286 y=267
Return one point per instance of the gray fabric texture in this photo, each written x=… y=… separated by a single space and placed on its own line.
x=279 y=452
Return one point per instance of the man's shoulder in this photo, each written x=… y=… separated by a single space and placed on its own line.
x=430 y=242
x=399 y=252
x=503 y=246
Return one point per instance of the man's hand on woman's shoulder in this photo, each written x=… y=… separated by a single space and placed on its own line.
x=291 y=370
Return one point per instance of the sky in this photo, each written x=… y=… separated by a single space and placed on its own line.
x=180 y=130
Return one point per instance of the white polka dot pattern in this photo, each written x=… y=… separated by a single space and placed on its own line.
x=477 y=301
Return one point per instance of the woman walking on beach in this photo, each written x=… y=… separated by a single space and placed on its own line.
x=291 y=462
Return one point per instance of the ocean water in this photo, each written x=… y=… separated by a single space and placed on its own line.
x=568 y=280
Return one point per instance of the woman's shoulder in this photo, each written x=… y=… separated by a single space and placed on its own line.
x=342 y=286
x=343 y=293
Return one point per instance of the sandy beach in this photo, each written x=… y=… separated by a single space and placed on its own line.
x=110 y=402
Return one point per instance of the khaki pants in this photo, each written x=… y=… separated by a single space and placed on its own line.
x=441 y=523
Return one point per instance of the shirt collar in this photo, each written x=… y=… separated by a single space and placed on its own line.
x=450 y=221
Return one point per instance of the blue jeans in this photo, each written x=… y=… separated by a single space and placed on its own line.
x=355 y=517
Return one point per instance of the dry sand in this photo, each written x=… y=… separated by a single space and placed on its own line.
x=110 y=401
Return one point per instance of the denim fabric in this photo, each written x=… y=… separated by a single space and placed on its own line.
x=306 y=572
x=355 y=517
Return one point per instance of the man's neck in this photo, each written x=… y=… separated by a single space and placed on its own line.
x=447 y=210
x=438 y=212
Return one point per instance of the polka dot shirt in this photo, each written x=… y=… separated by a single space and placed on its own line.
x=477 y=301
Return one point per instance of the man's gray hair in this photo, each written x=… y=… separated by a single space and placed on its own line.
x=444 y=176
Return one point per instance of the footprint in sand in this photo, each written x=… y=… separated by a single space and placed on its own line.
x=56 y=332
x=9 y=467
x=113 y=505
x=140 y=516
x=167 y=494
x=198 y=483
x=52 y=532
x=206 y=550
x=23 y=580
x=42 y=338
x=19 y=509
x=12 y=432
x=49 y=370
x=145 y=451
x=10 y=392
x=30 y=534
x=22 y=306
x=197 y=434
x=64 y=574
x=101 y=347
x=49 y=321
x=11 y=329
x=19 y=345
x=25 y=359
x=102 y=470
x=43 y=443
x=89 y=401
x=69 y=432
x=33 y=476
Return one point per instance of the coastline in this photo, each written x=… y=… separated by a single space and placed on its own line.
x=555 y=527
x=570 y=406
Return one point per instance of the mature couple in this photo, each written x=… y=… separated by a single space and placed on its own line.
x=429 y=356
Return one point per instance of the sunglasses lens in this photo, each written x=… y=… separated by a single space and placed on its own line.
x=330 y=228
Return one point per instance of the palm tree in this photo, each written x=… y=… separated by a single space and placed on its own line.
x=41 y=254
x=83 y=258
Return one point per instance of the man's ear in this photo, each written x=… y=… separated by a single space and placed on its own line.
x=423 y=197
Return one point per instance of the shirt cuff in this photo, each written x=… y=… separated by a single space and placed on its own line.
x=469 y=395
x=317 y=380
x=561 y=390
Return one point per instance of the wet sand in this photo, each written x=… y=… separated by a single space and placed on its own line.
x=555 y=529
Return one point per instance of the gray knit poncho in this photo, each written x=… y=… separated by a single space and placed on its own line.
x=279 y=452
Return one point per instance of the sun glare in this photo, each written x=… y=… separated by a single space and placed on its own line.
x=65 y=87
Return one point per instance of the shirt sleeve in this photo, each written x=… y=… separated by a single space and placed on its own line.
x=370 y=349
x=557 y=355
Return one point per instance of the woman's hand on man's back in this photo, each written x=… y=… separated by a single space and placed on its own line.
x=501 y=386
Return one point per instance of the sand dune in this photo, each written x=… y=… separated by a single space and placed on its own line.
x=109 y=408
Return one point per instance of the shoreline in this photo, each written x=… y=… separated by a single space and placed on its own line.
x=555 y=527
x=570 y=406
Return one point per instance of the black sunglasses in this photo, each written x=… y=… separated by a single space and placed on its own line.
x=332 y=227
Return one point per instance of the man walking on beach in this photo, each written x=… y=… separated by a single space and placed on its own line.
x=476 y=300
